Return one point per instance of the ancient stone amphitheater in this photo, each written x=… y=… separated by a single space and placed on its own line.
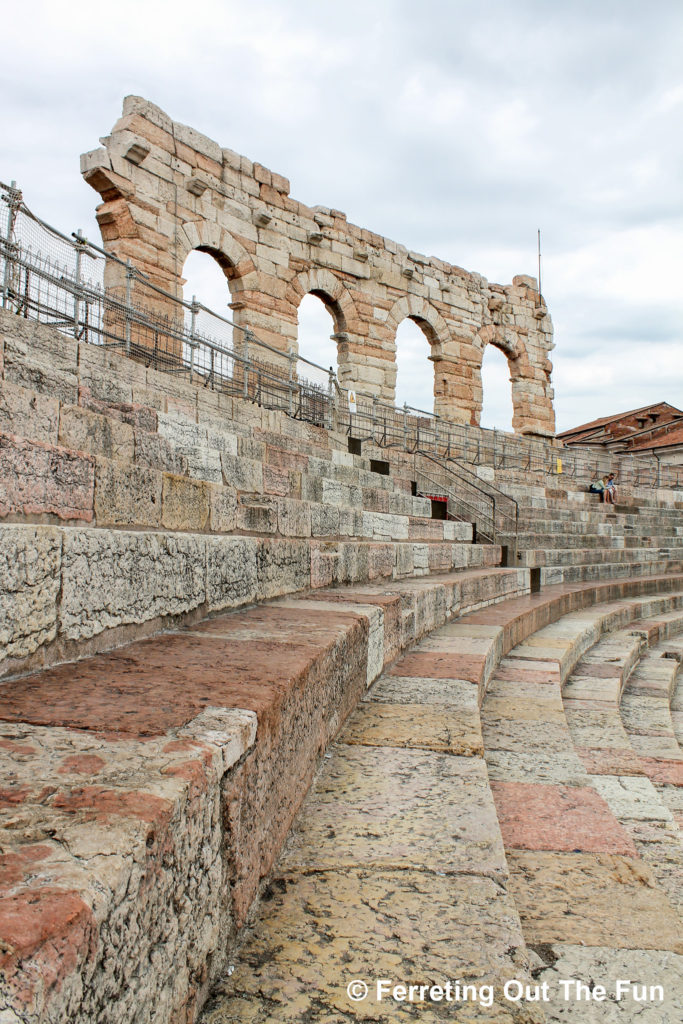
x=280 y=743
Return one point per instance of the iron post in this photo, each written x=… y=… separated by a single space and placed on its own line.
x=130 y=272
x=194 y=309
x=13 y=200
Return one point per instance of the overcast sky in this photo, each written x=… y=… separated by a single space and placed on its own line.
x=456 y=128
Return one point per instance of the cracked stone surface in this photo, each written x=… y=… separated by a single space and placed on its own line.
x=604 y=966
x=534 y=817
x=321 y=930
x=592 y=898
x=411 y=725
x=398 y=808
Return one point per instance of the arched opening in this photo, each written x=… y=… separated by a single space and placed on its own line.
x=414 y=371
x=318 y=318
x=206 y=274
x=497 y=392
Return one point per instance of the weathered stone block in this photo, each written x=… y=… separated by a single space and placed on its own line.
x=41 y=479
x=203 y=464
x=109 y=376
x=39 y=358
x=454 y=530
x=281 y=459
x=223 y=509
x=336 y=493
x=42 y=377
x=350 y=522
x=222 y=441
x=324 y=521
x=113 y=577
x=96 y=434
x=403 y=560
x=182 y=432
x=156 y=452
x=242 y=474
x=311 y=488
x=275 y=481
x=324 y=560
x=141 y=417
x=380 y=561
x=185 y=503
x=231 y=571
x=250 y=448
x=30 y=564
x=258 y=515
x=293 y=518
x=28 y=414
x=282 y=567
x=127 y=495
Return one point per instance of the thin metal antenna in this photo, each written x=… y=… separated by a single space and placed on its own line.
x=539 y=267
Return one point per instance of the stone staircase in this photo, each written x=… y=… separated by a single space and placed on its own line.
x=268 y=727
x=455 y=832
x=132 y=501
x=570 y=536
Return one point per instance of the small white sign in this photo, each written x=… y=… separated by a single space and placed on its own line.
x=352 y=401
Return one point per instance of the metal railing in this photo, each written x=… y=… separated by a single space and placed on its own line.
x=495 y=514
x=79 y=288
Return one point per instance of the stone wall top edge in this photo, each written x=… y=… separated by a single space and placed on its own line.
x=133 y=104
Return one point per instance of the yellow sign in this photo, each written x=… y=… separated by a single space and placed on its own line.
x=559 y=465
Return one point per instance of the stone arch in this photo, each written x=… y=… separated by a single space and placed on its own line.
x=330 y=290
x=432 y=325
x=231 y=256
x=513 y=348
x=339 y=303
x=425 y=316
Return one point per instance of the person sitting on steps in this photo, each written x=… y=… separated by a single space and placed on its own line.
x=599 y=486
x=611 y=489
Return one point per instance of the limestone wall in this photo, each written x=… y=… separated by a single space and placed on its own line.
x=131 y=499
x=168 y=190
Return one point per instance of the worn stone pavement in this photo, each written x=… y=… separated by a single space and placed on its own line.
x=395 y=869
x=593 y=902
x=417 y=860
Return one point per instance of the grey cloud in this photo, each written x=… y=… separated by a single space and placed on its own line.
x=455 y=128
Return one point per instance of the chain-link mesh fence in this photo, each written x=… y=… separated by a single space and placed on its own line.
x=75 y=286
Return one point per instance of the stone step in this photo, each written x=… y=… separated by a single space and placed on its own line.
x=675 y=648
x=611 y=528
x=642 y=791
x=534 y=507
x=559 y=557
x=261 y=513
x=646 y=706
x=75 y=590
x=554 y=575
x=583 y=891
x=400 y=816
x=66 y=484
x=549 y=543
x=150 y=789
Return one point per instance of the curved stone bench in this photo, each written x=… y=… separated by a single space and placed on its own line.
x=594 y=864
x=402 y=817
x=149 y=789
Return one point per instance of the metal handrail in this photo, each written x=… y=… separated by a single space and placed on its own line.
x=485 y=517
x=92 y=312
x=500 y=497
x=428 y=488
